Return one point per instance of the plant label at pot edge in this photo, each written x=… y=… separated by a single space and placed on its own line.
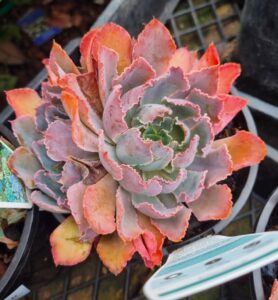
x=209 y=262
x=12 y=192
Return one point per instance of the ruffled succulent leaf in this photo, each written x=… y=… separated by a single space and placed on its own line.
x=109 y=36
x=99 y=205
x=46 y=203
x=149 y=244
x=155 y=207
x=138 y=73
x=232 y=105
x=174 y=228
x=84 y=138
x=184 y=59
x=205 y=80
x=114 y=252
x=156 y=45
x=24 y=165
x=40 y=120
x=217 y=163
x=191 y=188
x=59 y=142
x=25 y=131
x=50 y=187
x=113 y=115
x=228 y=73
x=245 y=148
x=131 y=149
x=209 y=58
x=165 y=86
x=127 y=220
x=59 y=63
x=215 y=203
x=85 y=47
x=162 y=156
x=72 y=173
x=23 y=101
x=75 y=194
x=133 y=182
x=89 y=87
x=210 y=105
x=66 y=247
x=107 y=71
x=39 y=149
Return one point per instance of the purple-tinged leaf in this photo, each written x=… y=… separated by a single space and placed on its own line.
x=191 y=188
x=50 y=165
x=113 y=115
x=107 y=71
x=25 y=130
x=89 y=87
x=210 y=105
x=75 y=196
x=156 y=45
x=53 y=113
x=217 y=162
x=162 y=156
x=46 y=203
x=126 y=216
x=185 y=158
x=172 y=182
x=72 y=173
x=99 y=205
x=49 y=187
x=203 y=129
x=108 y=158
x=138 y=73
x=50 y=92
x=205 y=80
x=132 y=150
x=175 y=227
x=156 y=208
x=133 y=182
x=82 y=136
x=24 y=165
x=182 y=109
x=164 y=86
x=214 y=203
x=40 y=120
x=149 y=112
x=59 y=143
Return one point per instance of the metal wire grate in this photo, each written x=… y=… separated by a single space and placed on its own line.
x=196 y=23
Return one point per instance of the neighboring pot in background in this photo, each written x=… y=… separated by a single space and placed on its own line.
x=264 y=277
x=11 y=279
x=258 y=42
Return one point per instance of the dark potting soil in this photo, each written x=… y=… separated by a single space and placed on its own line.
x=254 y=88
x=270 y=272
x=12 y=232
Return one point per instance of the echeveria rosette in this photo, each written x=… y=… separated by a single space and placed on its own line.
x=126 y=143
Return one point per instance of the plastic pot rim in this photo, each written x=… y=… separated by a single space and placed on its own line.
x=261 y=226
x=19 y=259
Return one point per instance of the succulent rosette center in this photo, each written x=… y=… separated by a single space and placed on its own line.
x=126 y=143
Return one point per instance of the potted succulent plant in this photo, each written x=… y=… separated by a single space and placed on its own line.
x=265 y=279
x=126 y=144
x=17 y=231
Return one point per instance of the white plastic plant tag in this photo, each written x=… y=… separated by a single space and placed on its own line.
x=12 y=192
x=20 y=292
x=209 y=262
